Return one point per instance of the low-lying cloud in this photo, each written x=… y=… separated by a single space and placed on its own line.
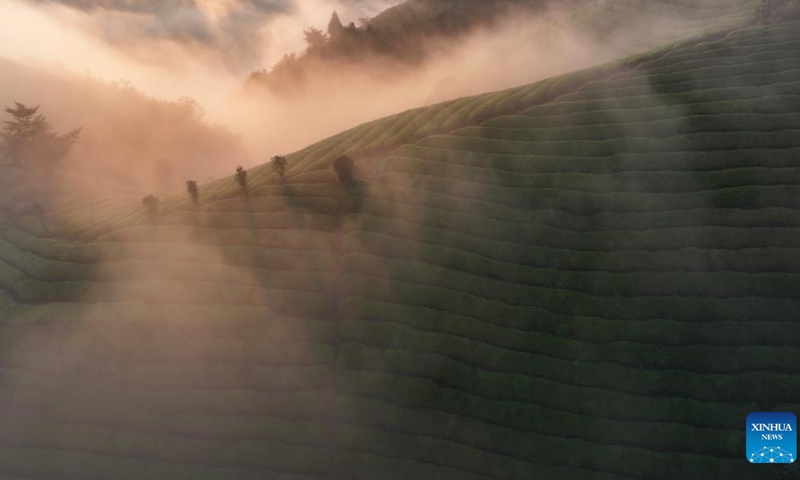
x=229 y=34
x=203 y=49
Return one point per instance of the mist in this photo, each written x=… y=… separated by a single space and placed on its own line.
x=281 y=326
x=205 y=49
x=519 y=49
x=202 y=49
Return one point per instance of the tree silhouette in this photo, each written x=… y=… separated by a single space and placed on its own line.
x=279 y=164
x=344 y=168
x=335 y=27
x=150 y=202
x=315 y=38
x=29 y=140
x=194 y=192
x=241 y=179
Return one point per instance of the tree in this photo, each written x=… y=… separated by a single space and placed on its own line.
x=279 y=164
x=344 y=166
x=194 y=192
x=335 y=27
x=29 y=140
x=189 y=107
x=150 y=202
x=314 y=38
x=241 y=179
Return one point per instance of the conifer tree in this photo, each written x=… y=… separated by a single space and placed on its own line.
x=28 y=139
x=335 y=27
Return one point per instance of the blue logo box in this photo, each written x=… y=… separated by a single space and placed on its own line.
x=771 y=437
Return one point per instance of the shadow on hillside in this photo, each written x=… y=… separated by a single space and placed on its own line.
x=353 y=197
x=296 y=200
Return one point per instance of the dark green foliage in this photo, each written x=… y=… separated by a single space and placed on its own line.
x=29 y=140
x=241 y=179
x=194 y=192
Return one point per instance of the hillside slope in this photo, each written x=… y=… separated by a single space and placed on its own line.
x=501 y=43
x=400 y=37
x=594 y=276
x=592 y=33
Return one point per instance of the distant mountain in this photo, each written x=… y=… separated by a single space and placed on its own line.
x=401 y=36
x=392 y=45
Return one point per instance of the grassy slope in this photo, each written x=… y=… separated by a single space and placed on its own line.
x=596 y=279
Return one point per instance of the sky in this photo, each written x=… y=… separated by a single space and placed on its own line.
x=168 y=48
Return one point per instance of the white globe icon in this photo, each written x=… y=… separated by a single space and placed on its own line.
x=771 y=455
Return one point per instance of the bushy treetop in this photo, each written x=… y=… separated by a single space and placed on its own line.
x=28 y=139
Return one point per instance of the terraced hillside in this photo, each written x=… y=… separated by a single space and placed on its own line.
x=636 y=24
x=595 y=276
x=598 y=31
